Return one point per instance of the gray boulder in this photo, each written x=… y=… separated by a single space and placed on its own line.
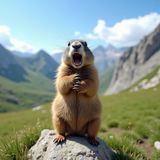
x=74 y=148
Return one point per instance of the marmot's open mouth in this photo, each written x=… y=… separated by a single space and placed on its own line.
x=77 y=59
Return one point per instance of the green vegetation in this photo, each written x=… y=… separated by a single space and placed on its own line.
x=105 y=79
x=130 y=125
x=27 y=94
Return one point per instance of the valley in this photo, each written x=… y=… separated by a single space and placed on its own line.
x=30 y=83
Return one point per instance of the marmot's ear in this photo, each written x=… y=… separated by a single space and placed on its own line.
x=69 y=43
x=85 y=43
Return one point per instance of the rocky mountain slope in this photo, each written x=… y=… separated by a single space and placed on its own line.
x=105 y=60
x=136 y=62
x=105 y=57
x=152 y=80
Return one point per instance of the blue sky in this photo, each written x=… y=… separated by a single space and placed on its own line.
x=49 y=24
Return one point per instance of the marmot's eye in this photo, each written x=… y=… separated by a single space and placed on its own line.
x=69 y=44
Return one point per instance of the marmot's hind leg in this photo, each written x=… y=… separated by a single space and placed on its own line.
x=93 y=128
x=59 y=126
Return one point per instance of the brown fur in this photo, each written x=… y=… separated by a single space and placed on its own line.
x=76 y=113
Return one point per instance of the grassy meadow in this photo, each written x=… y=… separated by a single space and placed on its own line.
x=18 y=96
x=130 y=125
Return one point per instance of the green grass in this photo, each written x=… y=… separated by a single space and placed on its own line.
x=27 y=94
x=105 y=80
x=129 y=120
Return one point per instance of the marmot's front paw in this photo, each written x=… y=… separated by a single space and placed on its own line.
x=83 y=87
x=77 y=81
x=76 y=86
x=77 y=77
x=59 y=139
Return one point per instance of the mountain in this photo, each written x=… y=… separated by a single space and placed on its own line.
x=106 y=57
x=41 y=62
x=57 y=57
x=105 y=60
x=101 y=59
x=136 y=62
x=22 y=54
x=9 y=67
x=25 y=82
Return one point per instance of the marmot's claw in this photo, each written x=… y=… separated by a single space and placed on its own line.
x=77 y=77
x=76 y=86
x=93 y=141
x=59 y=139
x=76 y=89
x=78 y=82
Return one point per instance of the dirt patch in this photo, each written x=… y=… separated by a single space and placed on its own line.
x=141 y=143
x=115 y=131
x=147 y=147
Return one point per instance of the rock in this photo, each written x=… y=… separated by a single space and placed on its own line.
x=157 y=145
x=146 y=84
x=136 y=62
x=37 y=108
x=74 y=148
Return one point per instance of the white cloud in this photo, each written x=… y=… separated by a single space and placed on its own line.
x=77 y=33
x=91 y=36
x=127 y=32
x=12 y=43
x=21 y=46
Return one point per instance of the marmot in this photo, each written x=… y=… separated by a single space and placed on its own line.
x=76 y=108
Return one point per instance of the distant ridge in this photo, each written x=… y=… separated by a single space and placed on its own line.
x=9 y=66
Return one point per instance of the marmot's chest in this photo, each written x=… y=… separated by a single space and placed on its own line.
x=84 y=73
x=79 y=108
x=79 y=114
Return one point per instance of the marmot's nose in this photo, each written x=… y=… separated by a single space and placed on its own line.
x=76 y=46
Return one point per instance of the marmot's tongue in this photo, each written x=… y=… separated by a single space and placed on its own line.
x=77 y=59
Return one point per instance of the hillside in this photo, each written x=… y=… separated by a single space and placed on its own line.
x=9 y=67
x=41 y=62
x=16 y=96
x=136 y=62
x=25 y=82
